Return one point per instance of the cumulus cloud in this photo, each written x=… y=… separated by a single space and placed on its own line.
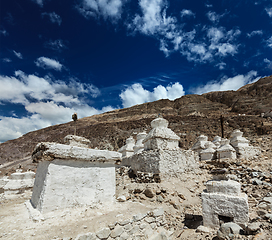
x=269 y=11
x=48 y=63
x=104 y=8
x=24 y=89
x=187 y=13
x=255 y=33
x=53 y=17
x=18 y=54
x=57 y=45
x=136 y=94
x=226 y=83
x=46 y=101
x=153 y=19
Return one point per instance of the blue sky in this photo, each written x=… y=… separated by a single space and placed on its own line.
x=91 y=56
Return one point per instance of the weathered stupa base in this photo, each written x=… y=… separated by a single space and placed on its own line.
x=69 y=176
x=164 y=162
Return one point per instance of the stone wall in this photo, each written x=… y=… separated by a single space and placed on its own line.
x=148 y=225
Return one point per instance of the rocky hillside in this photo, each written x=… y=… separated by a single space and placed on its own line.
x=189 y=116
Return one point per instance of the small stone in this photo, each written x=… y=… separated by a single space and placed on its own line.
x=267 y=200
x=227 y=230
x=203 y=229
x=181 y=196
x=159 y=198
x=138 y=217
x=128 y=227
x=103 y=233
x=125 y=222
x=87 y=236
x=122 y=198
x=253 y=227
x=174 y=204
x=261 y=212
x=150 y=219
x=117 y=232
x=134 y=230
x=111 y=226
x=158 y=212
x=263 y=205
x=255 y=174
x=124 y=236
x=256 y=181
x=268 y=216
x=149 y=193
x=138 y=190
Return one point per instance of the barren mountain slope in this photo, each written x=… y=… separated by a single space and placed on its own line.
x=253 y=98
x=189 y=116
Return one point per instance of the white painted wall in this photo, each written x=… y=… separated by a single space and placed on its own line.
x=61 y=184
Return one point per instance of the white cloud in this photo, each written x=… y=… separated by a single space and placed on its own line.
x=187 y=13
x=268 y=62
x=215 y=34
x=26 y=88
x=226 y=83
x=39 y=2
x=105 y=8
x=43 y=115
x=56 y=45
x=214 y=17
x=221 y=65
x=202 y=44
x=269 y=42
x=153 y=19
x=254 y=33
x=48 y=63
x=46 y=102
x=7 y=60
x=18 y=54
x=53 y=17
x=224 y=48
x=269 y=11
x=136 y=94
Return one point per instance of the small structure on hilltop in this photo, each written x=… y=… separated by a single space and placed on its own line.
x=241 y=145
x=217 y=141
x=236 y=147
x=139 y=146
x=209 y=153
x=225 y=151
x=161 y=154
x=69 y=176
x=17 y=182
x=77 y=141
x=200 y=143
x=223 y=201
x=128 y=150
